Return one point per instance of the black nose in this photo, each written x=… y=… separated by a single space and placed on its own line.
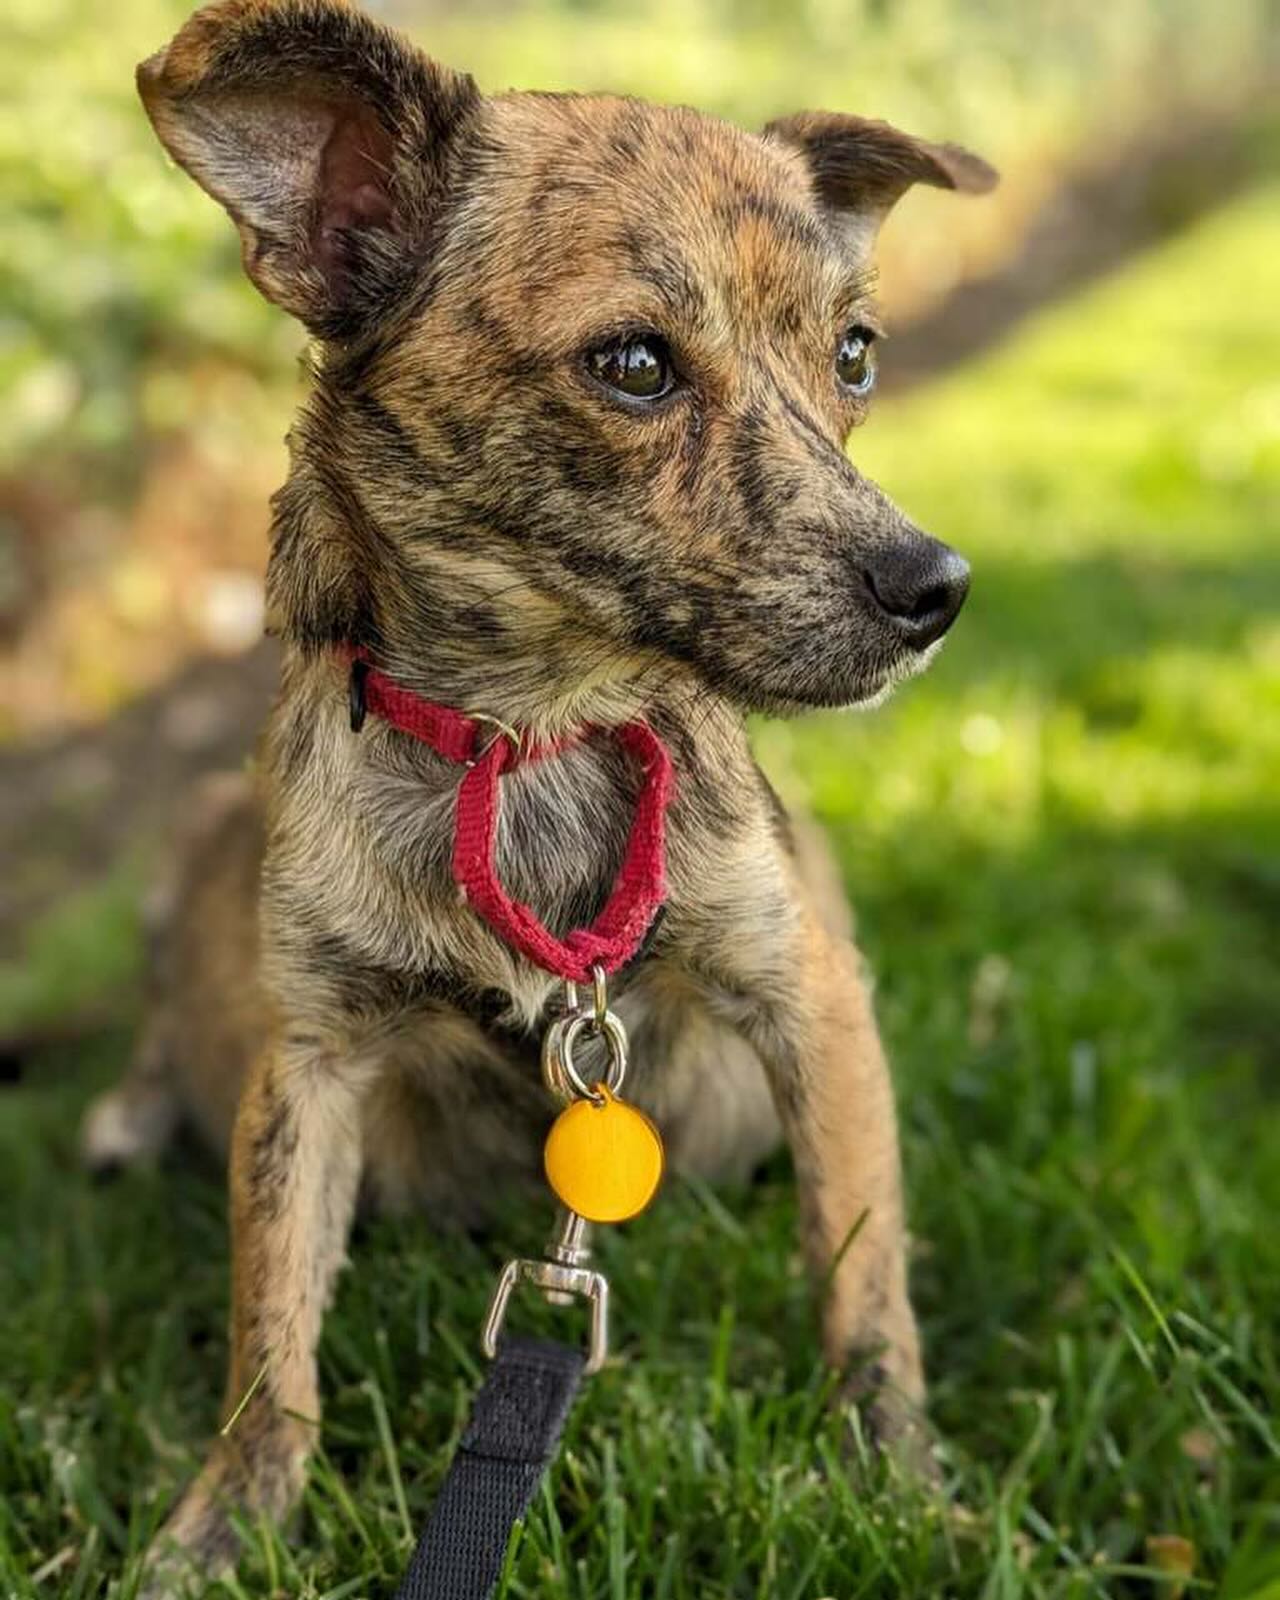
x=920 y=585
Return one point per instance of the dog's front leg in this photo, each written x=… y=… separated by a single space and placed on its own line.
x=801 y=997
x=295 y=1166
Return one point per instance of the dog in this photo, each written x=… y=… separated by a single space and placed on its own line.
x=573 y=455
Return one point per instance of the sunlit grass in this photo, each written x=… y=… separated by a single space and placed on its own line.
x=1064 y=847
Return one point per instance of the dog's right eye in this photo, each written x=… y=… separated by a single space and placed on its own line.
x=639 y=367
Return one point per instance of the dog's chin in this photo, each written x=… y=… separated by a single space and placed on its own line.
x=864 y=690
x=909 y=665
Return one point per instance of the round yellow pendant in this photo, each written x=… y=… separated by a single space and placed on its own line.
x=604 y=1161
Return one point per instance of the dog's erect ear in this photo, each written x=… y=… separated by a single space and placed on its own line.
x=328 y=138
x=861 y=169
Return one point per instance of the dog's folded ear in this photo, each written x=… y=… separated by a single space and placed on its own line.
x=860 y=169
x=329 y=138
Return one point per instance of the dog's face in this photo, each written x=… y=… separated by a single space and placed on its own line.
x=589 y=364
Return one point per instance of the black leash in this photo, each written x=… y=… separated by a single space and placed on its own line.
x=522 y=1406
x=510 y=1440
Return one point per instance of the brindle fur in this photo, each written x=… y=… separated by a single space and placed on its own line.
x=467 y=504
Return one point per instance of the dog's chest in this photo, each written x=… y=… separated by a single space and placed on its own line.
x=373 y=866
x=562 y=829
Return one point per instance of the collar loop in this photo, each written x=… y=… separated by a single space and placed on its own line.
x=640 y=887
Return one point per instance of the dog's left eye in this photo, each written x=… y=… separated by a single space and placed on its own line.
x=855 y=363
x=639 y=367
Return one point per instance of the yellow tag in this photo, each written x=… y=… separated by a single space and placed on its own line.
x=604 y=1161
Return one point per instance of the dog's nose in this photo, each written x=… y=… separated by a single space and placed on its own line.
x=920 y=585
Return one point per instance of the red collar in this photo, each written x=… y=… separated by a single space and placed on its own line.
x=487 y=751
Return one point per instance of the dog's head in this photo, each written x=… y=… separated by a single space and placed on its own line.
x=586 y=365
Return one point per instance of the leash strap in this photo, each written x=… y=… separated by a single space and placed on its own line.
x=511 y=1436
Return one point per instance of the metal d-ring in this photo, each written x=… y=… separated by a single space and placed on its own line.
x=599 y=995
x=502 y=730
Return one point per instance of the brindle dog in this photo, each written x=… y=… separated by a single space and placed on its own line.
x=573 y=454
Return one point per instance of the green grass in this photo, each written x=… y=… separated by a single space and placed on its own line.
x=1065 y=850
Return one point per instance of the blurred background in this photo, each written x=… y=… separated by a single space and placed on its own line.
x=1064 y=844
x=145 y=387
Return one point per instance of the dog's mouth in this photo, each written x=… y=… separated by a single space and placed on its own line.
x=907 y=666
x=866 y=690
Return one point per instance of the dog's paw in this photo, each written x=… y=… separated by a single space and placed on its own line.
x=121 y=1128
x=258 y=1475
x=198 y=1545
x=888 y=1421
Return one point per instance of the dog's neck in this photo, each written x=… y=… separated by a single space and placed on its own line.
x=450 y=627
x=523 y=688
